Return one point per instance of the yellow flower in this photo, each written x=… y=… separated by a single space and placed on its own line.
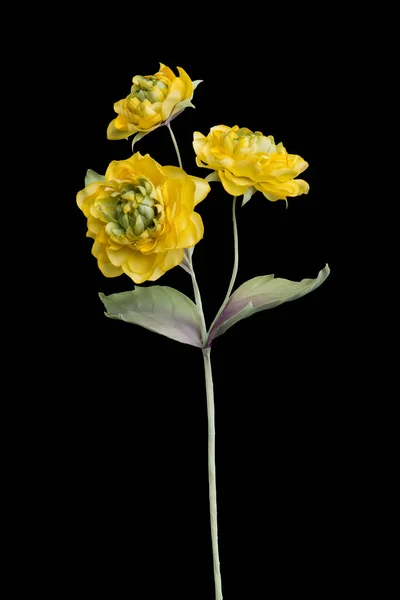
x=141 y=216
x=245 y=162
x=153 y=100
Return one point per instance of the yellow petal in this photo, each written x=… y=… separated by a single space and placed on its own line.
x=231 y=187
x=302 y=187
x=241 y=181
x=119 y=257
x=141 y=263
x=175 y=95
x=198 y=223
x=167 y=72
x=188 y=83
x=268 y=194
x=140 y=277
x=175 y=172
x=121 y=122
x=183 y=195
x=86 y=197
x=109 y=270
x=200 y=163
x=193 y=233
x=144 y=123
x=182 y=219
x=116 y=134
x=120 y=106
x=172 y=259
x=197 y=135
x=119 y=169
x=102 y=236
x=94 y=225
x=297 y=163
x=202 y=188
x=148 y=167
x=169 y=240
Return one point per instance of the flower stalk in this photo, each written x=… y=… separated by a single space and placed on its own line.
x=178 y=154
x=211 y=471
x=235 y=263
x=198 y=301
x=212 y=482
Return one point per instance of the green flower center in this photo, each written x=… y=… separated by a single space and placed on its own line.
x=243 y=132
x=132 y=212
x=148 y=88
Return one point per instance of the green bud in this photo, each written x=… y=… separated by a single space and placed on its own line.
x=147 y=213
x=124 y=221
x=115 y=230
x=143 y=182
x=129 y=233
x=143 y=82
x=139 y=225
x=148 y=201
x=129 y=195
x=155 y=95
x=153 y=227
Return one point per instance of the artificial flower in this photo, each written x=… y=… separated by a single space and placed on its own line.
x=245 y=162
x=141 y=216
x=153 y=100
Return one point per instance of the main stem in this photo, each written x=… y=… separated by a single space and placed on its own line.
x=212 y=483
x=211 y=471
x=210 y=408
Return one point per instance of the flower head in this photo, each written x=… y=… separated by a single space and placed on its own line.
x=141 y=216
x=245 y=162
x=153 y=100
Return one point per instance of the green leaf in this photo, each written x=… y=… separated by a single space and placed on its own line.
x=196 y=83
x=187 y=258
x=248 y=194
x=262 y=293
x=214 y=176
x=179 y=108
x=141 y=134
x=160 y=309
x=92 y=177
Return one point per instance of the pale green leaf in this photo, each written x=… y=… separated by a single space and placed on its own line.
x=138 y=136
x=245 y=312
x=262 y=293
x=186 y=263
x=196 y=83
x=179 y=108
x=213 y=177
x=92 y=177
x=158 y=308
x=248 y=194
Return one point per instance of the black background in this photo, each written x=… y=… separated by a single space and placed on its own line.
x=125 y=455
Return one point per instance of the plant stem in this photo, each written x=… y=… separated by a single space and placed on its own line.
x=235 y=263
x=210 y=403
x=198 y=301
x=175 y=144
x=211 y=440
x=211 y=471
